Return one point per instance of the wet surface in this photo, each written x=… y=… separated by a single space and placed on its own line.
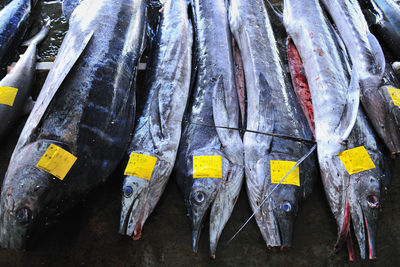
x=88 y=235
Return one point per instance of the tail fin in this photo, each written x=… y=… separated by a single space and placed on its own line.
x=40 y=35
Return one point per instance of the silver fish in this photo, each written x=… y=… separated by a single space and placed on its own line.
x=158 y=129
x=214 y=107
x=339 y=125
x=21 y=78
x=271 y=108
x=86 y=107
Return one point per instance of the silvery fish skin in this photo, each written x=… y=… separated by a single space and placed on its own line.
x=20 y=77
x=368 y=60
x=271 y=108
x=214 y=103
x=90 y=113
x=353 y=197
x=158 y=129
x=13 y=23
x=68 y=6
x=383 y=16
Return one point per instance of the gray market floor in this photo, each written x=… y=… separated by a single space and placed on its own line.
x=88 y=235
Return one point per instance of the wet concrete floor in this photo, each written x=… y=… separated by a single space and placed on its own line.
x=88 y=234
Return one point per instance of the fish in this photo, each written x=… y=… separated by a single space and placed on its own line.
x=209 y=165
x=383 y=16
x=20 y=79
x=158 y=129
x=68 y=6
x=354 y=196
x=272 y=109
x=84 y=112
x=14 y=19
x=368 y=60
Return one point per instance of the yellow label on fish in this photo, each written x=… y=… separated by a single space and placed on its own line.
x=141 y=166
x=356 y=160
x=395 y=95
x=207 y=167
x=7 y=95
x=56 y=161
x=279 y=168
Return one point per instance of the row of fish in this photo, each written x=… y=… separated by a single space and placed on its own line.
x=83 y=122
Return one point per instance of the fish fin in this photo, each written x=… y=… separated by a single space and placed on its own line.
x=68 y=7
x=40 y=35
x=155 y=119
x=29 y=104
x=267 y=115
x=378 y=54
x=278 y=13
x=229 y=138
x=62 y=66
x=350 y=111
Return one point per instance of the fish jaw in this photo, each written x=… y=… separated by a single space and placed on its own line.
x=25 y=196
x=202 y=194
x=364 y=197
x=134 y=197
x=223 y=205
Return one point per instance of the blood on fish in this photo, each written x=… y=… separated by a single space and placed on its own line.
x=300 y=83
x=138 y=229
x=345 y=227
x=239 y=78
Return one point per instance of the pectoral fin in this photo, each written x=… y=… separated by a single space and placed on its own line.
x=350 y=111
x=378 y=54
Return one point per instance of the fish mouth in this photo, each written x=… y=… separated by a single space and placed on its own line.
x=364 y=226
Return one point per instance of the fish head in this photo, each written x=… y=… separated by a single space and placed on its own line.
x=26 y=198
x=202 y=194
x=133 y=203
x=285 y=206
x=364 y=198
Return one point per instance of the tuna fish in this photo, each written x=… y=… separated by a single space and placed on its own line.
x=158 y=129
x=20 y=79
x=368 y=60
x=384 y=19
x=354 y=192
x=209 y=167
x=13 y=23
x=86 y=107
x=271 y=108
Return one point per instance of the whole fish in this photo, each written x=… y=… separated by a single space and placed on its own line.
x=20 y=79
x=339 y=126
x=13 y=23
x=86 y=107
x=209 y=167
x=271 y=108
x=368 y=60
x=383 y=16
x=158 y=129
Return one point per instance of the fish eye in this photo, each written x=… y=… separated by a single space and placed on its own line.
x=373 y=201
x=128 y=191
x=286 y=207
x=23 y=215
x=199 y=197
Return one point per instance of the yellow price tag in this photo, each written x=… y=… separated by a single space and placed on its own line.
x=207 y=167
x=140 y=166
x=56 y=161
x=356 y=160
x=279 y=168
x=7 y=95
x=395 y=95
